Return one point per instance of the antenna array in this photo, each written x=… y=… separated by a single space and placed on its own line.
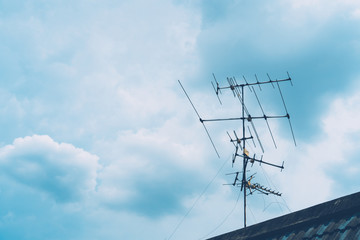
x=240 y=141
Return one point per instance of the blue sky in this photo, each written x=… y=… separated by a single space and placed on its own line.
x=98 y=140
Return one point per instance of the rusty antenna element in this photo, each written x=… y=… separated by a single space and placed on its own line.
x=240 y=141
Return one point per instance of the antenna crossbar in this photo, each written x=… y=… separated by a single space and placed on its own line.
x=233 y=85
x=260 y=161
x=248 y=118
x=238 y=140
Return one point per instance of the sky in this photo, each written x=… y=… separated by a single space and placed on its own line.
x=99 y=141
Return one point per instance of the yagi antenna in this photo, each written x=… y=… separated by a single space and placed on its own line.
x=262 y=189
x=240 y=140
x=202 y=122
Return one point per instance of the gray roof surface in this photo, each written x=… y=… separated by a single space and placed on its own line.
x=336 y=219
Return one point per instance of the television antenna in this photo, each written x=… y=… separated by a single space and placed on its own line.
x=240 y=140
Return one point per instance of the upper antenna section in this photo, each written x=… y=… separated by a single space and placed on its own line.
x=237 y=89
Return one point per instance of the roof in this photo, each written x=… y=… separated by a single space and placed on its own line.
x=336 y=219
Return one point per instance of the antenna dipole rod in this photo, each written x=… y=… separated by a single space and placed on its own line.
x=265 y=117
x=257 y=136
x=290 y=78
x=251 y=136
x=257 y=81
x=189 y=100
x=292 y=131
x=231 y=140
x=270 y=80
x=287 y=114
x=202 y=122
x=282 y=97
x=217 y=90
x=246 y=83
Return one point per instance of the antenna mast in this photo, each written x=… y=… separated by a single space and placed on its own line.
x=238 y=91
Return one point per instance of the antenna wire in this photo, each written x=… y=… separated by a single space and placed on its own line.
x=202 y=193
x=227 y=216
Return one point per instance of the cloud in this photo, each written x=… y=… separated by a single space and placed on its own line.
x=95 y=67
x=62 y=171
x=152 y=170
x=315 y=41
x=324 y=166
x=102 y=76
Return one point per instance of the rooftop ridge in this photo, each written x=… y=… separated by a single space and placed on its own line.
x=339 y=207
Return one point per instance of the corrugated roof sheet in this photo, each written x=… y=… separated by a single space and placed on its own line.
x=336 y=219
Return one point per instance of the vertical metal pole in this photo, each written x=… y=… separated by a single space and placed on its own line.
x=244 y=158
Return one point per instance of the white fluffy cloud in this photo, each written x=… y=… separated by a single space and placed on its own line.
x=61 y=170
